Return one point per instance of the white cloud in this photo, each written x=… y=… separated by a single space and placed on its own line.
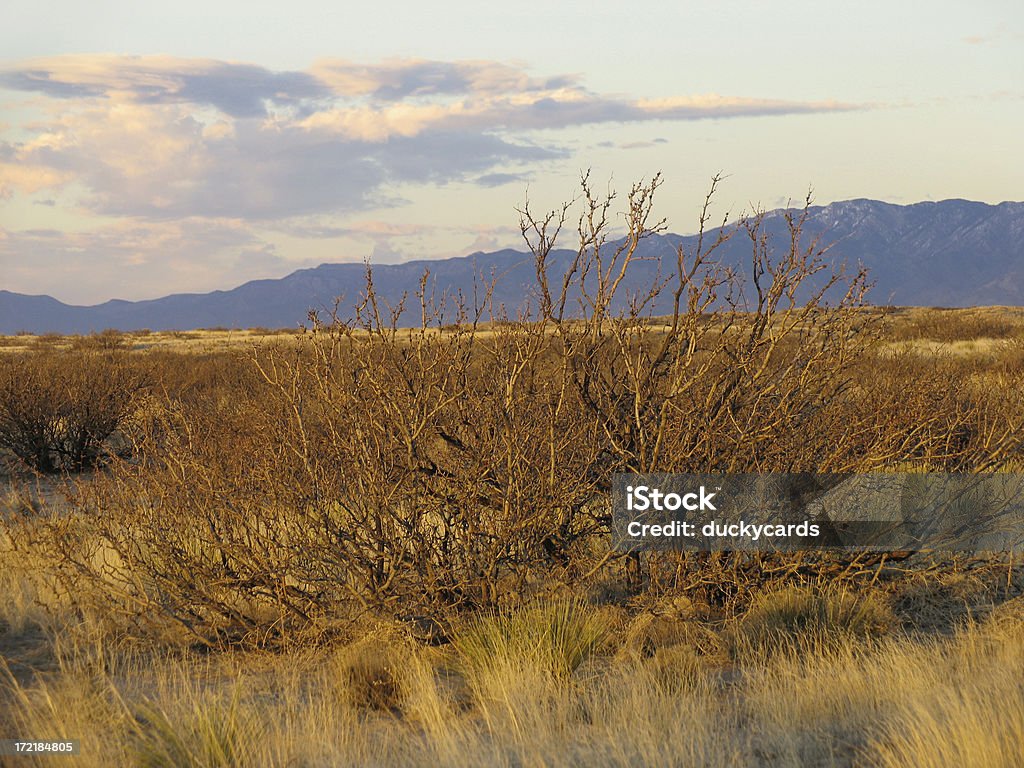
x=177 y=161
x=161 y=137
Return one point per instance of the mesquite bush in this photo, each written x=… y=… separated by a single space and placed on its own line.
x=58 y=409
x=464 y=458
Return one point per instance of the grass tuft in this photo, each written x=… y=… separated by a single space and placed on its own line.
x=212 y=735
x=371 y=672
x=794 y=618
x=558 y=637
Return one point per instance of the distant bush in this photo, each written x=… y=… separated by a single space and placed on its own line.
x=109 y=340
x=949 y=325
x=47 y=340
x=56 y=411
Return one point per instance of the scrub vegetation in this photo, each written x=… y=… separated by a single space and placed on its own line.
x=383 y=538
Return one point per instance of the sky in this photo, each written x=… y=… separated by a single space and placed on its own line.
x=155 y=148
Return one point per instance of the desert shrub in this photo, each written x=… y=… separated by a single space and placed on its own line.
x=201 y=378
x=949 y=325
x=943 y=599
x=519 y=665
x=257 y=514
x=649 y=633
x=109 y=340
x=264 y=331
x=56 y=410
x=465 y=461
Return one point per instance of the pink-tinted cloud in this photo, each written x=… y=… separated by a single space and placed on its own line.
x=185 y=255
x=179 y=159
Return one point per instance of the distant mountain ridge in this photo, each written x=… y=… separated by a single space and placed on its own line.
x=949 y=253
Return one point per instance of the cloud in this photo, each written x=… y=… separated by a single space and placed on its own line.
x=161 y=162
x=109 y=260
x=500 y=179
x=385 y=252
x=396 y=96
x=400 y=79
x=159 y=139
x=398 y=241
x=372 y=228
x=541 y=110
x=238 y=90
x=261 y=261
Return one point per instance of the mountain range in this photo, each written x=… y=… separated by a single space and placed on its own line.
x=951 y=253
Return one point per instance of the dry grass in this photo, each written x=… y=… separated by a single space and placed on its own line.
x=556 y=683
x=952 y=325
x=791 y=617
x=953 y=700
x=957 y=330
x=205 y=341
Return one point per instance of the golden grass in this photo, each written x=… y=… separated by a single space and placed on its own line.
x=796 y=619
x=202 y=341
x=960 y=331
x=901 y=700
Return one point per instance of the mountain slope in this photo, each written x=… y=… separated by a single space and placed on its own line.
x=949 y=253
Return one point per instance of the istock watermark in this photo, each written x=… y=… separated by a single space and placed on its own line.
x=640 y=498
x=798 y=511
